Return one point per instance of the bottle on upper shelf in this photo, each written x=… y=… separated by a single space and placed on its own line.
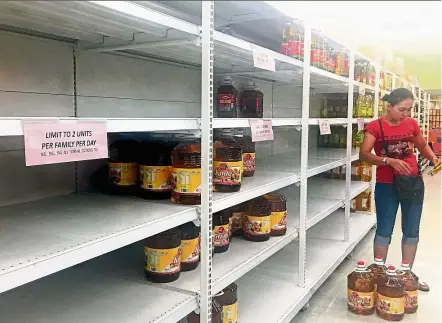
x=227 y=99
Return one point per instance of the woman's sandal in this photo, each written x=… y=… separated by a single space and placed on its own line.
x=422 y=286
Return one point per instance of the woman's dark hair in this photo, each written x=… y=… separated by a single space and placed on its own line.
x=398 y=95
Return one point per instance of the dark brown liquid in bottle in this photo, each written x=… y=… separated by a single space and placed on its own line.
x=227 y=164
x=158 y=251
x=220 y=232
x=155 y=165
x=228 y=299
x=257 y=226
x=186 y=173
x=377 y=269
x=391 y=296
x=360 y=285
x=411 y=289
x=227 y=100
x=251 y=102
x=248 y=155
x=278 y=219
x=123 y=167
x=190 y=246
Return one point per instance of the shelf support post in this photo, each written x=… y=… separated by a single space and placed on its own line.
x=351 y=77
x=207 y=49
x=377 y=98
x=302 y=254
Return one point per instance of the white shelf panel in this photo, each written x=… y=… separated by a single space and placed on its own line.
x=335 y=188
x=319 y=161
x=366 y=120
x=358 y=187
x=244 y=123
x=263 y=182
x=331 y=121
x=248 y=47
x=367 y=87
x=95 y=19
x=354 y=155
x=234 y=263
x=90 y=295
x=323 y=159
x=317 y=72
x=42 y=237
x=275 y=279
x=13 y=126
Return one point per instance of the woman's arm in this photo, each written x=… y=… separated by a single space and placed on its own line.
x=366 y=155
x=425 y=150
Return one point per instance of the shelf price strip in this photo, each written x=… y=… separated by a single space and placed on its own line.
x=49 y=142
x=262 y=130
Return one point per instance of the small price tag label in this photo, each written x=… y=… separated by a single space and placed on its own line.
x=361 y=124
x=262 y=130
x=53 y=142
x=263 y=58
x=361 y=88
x=324 y=127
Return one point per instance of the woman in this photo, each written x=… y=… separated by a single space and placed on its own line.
x=393 y=137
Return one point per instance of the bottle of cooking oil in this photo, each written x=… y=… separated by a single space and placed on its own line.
x=411 y=288
x=227 y=163
x=186 y=172
x=360 y=285
x=377 y=269
x=391 y=296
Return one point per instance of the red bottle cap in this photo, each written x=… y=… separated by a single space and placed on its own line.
x=392 y=268
x=405 y=262
x=361 y=263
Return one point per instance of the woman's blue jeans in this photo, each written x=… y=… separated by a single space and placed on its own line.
x=387 y=203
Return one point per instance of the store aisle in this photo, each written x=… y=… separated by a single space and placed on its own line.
x=329 y=303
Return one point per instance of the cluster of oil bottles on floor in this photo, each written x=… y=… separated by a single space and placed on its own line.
x=391 y=293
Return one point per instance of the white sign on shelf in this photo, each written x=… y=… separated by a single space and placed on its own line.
x=49 y=142
x=263 y=58
x=361 y=124
x=324 y=127
x=262 y=130
x=361 y=88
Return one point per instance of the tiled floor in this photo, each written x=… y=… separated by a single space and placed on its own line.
x=328 y=305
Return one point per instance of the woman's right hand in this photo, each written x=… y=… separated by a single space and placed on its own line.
x=399 y=166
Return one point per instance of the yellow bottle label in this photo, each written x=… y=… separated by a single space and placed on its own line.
x=257 y=225
x=389 y=305
x=186 y=180
x=220 y=235
x=248 y=160
x=360 y=301
x=230 y=313
x=227 y=173
x=278 y=220
x=162 y=261
x=411 y=299
x=123 y=174
x=155 y=178
x=190 y=250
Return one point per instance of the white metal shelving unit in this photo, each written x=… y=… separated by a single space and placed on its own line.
x=47 y=246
